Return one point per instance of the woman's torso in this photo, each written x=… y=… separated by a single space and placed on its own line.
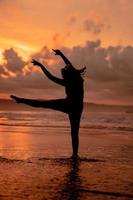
x=75 y=93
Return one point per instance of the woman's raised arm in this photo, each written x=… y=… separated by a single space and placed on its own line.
x=58 y=52
x=48 y=74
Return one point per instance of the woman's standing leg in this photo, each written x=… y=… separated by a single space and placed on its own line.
x=75 y=123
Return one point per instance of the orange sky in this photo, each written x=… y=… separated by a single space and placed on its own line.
x=28 y=26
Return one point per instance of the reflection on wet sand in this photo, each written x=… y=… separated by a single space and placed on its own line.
x=70 y=188
x=63 y=179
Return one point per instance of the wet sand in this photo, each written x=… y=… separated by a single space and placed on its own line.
x=103 y=172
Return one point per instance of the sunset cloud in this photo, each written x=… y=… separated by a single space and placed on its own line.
x=93 y=27
x=12 y=61
x=108 y=77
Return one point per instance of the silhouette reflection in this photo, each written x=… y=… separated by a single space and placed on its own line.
x=70 y=189
x=72 y=186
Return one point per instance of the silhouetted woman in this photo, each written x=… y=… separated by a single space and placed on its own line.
x=72 y=104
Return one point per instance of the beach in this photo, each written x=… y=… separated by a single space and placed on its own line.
x=35 y=163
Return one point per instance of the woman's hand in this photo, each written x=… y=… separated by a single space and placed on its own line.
x=34 y=62
x=57 y=52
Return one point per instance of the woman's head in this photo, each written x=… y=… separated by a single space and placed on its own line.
x=69 y=72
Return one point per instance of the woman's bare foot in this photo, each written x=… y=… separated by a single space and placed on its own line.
x=17 y=99
x=74 y=157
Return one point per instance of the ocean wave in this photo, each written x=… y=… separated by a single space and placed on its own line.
x=99 y=121
x=98 y=127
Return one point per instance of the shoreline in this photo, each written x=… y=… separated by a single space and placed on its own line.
x=36 y=166
x=63 y=178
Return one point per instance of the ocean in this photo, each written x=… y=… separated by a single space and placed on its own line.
x=38 y=133
x=118 y=121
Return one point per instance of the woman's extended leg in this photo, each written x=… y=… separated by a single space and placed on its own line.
x=75 y=123
x=63 y=106
x=56 y=104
